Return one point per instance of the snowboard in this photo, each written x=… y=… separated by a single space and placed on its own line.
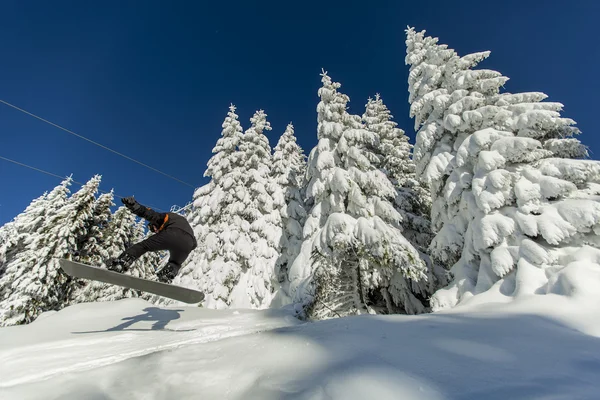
x=174 y=292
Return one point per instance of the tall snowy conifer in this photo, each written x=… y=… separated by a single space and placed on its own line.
x=34 y=282
x=24 y=228
x=434 y=150
x=289 y=169
x=93 y=250
x=16 y=234
x=509 y=190
x=354 y=258
x=413 y=199
x=214 y=266
x=259 y=210
x=8 y=235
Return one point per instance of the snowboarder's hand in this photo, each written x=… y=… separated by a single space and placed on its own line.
x=128 y=201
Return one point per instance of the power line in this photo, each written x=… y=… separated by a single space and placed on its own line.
x=97 y=144
x=34 y=168
x=63 y=177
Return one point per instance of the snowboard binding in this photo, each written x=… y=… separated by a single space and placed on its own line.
x=120 y=264
x=167 y=273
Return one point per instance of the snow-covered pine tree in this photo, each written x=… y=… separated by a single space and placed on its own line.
x=258 y=211
x=213 y=266
x=528 y=208
x=21 y=231
x=394 y=152
x=34 y=282
x=92 y=249
x=413 y=199
x=8 y=231
x=360 y=260
x=237 y=221
x=14 y=234
x=26 y=222
x=288 y=171
x=195 y=217
x=430 y=65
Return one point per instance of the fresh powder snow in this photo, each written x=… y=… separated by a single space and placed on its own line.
x=540 y=347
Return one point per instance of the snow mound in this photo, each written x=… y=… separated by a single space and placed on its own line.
x=540 y=346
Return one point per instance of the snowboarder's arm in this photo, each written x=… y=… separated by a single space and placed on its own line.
x=144 y=212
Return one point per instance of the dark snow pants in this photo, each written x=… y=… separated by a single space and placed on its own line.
x=178 y=242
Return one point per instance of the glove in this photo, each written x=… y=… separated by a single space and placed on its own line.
x=129 y=202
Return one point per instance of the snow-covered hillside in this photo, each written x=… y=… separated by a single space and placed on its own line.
x=543 y=347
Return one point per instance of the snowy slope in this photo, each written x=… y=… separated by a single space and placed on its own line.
x=527 y=349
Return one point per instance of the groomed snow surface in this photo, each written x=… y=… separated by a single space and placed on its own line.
x=542 y=347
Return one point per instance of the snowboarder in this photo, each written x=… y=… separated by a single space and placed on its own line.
x=171 y=231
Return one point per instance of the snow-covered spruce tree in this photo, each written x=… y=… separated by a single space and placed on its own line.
x=354 y=258
x=413 y=199
x=221 y=243
x=259 y=210
x=92 y=249
x=21 y=231
x=24 y=228
x=35 y=281
x=431 y=65
x=195 y=215
x=8 y=233
x=14 y=235
x=288 y=171
x=528 y=206
x=25 y=223
x=8 y=227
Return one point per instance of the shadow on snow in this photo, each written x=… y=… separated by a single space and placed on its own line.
x=161 y=317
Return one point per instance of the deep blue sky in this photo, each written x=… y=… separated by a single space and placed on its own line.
x=153 y=80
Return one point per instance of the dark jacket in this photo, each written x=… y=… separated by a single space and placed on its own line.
x=164 y=221
x=174 y=234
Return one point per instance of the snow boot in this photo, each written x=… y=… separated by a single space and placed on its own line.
x=168 y=273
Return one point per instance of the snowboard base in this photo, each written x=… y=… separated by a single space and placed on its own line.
x=170 y=291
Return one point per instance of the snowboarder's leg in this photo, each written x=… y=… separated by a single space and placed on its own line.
x=182 y=247
x=160 y=241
